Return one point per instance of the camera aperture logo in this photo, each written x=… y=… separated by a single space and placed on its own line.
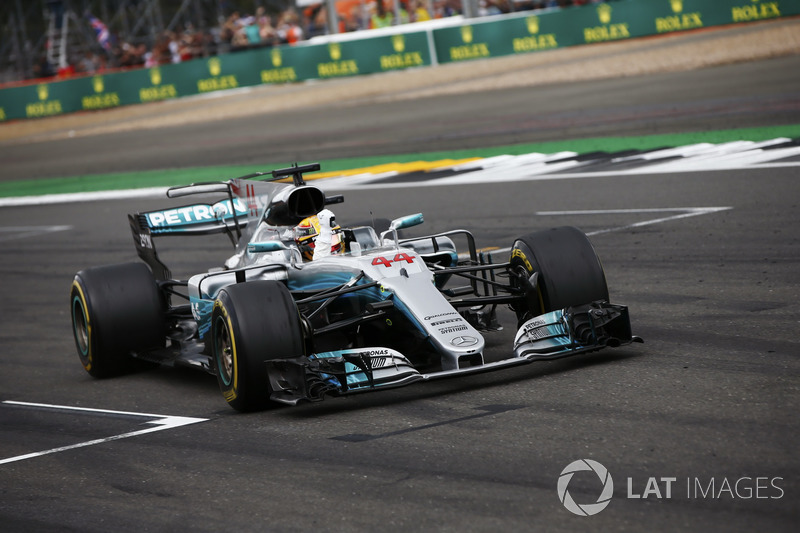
x=713 y=488
x=587 y=509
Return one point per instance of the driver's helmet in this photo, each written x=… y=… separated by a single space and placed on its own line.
x=305 y=235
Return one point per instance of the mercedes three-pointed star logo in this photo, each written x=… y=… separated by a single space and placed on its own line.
x=463 y=340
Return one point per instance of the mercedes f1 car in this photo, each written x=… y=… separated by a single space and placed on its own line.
x=374 y=311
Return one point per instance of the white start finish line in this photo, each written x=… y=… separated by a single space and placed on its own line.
x=160 y=423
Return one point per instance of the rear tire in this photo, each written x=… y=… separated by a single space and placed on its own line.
x=116 y=310
x=570 y=273
x=251 y=323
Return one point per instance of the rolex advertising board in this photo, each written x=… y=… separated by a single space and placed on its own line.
x=534 y=32
x=596 y=23
x=401 y=51
x=217 y=73
x=470 y=41
x=156 y=83
x=40 y=100
x=613 y=21
x=681 y=15
x=521 y=33
x=344 y=58
x=756 y=10
x=337 y=59
x=359 y=53
x=283 y=64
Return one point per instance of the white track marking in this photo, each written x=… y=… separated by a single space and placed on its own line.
x=486 y=162
x=46 y=199
x=681 y=151
x=161 y=422
x=9 y=233
x=682 y=212
x=536 y=166
x=724 y=161
x=353 y=180
x=526 y=167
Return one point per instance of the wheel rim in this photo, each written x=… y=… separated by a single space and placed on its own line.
x=80 y=326
x=520 y=272
x=224 y=352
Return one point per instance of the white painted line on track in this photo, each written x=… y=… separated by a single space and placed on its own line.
x=729 y=161
x=354 y=179
x=681 y=212
x=485 y=162
x=545 y=173
x=47 y=199
x=535 y=166
x=681 y=151
x=161 y=423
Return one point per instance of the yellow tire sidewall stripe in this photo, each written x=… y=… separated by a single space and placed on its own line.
x=85 y=309
x=233 y=392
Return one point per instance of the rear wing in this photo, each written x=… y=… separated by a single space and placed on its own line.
x=248 y=202
x=226 y=216
x=197 y=219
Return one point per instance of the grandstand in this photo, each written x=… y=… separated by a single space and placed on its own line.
x=40 y=37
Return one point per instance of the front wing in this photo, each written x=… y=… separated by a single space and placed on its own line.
x=554 y=335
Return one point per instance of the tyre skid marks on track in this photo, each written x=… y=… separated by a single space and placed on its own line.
x=160 y=422
x=486 y=410
x=10 y=233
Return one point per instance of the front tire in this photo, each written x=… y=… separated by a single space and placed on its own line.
x=569 y=271
x=251 y=323
x=117 y=310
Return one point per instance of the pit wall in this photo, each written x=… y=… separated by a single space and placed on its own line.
x=400 y=47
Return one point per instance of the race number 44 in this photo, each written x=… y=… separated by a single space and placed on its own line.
x=385 y=261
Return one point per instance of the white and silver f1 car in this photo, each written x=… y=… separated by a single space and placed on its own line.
x=306 y=308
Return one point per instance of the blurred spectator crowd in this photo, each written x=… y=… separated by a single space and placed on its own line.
x=243 y=31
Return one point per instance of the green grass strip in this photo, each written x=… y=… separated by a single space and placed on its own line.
x=182 y=176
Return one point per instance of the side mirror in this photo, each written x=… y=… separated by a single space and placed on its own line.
x=400 y=223
x=267 y=246
x=406 y=221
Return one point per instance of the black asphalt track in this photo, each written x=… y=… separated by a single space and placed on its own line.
x=710 y=399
